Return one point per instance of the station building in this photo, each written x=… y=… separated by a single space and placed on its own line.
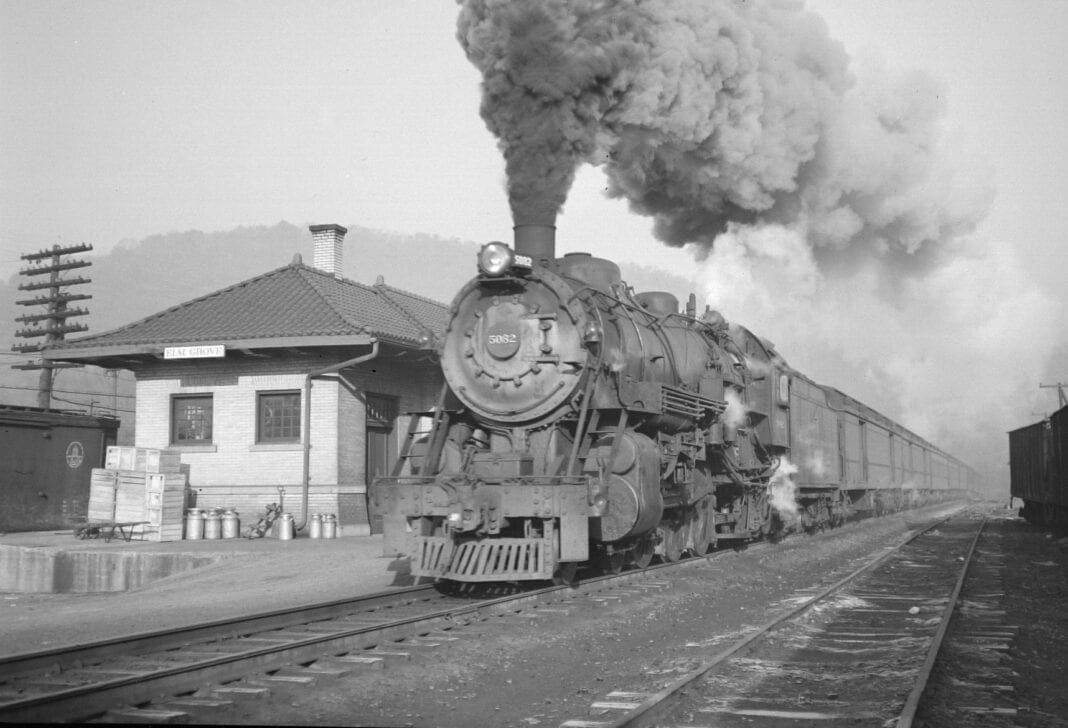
x=294 y=385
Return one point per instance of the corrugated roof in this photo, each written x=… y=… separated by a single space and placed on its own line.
x=293 y=301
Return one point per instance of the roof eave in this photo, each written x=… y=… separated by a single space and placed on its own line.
x=156 y=349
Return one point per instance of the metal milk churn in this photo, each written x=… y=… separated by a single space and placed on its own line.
x=231 y=524
x=194 y=524
x=315 y=526
x=329 y=525
x=285 y=527
x=213 y=524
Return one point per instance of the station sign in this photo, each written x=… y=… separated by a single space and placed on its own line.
x=213 y=351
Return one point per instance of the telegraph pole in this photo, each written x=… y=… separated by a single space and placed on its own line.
x=51 y=323
x=1060 y=391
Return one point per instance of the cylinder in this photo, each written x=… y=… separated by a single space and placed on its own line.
x=329 y=525
x=194 y=524
x=213 y=524
x=231 y=524
x=315 y=526
x=285 y=527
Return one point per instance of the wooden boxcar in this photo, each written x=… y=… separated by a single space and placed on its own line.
x=46 y=459
x=1037 y=470
x=839 y=442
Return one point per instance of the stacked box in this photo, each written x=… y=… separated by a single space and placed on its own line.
x=143 y=459
x=141 y=484
x=130 y=496
x=165 y=495
x=102 y=494
x=120 y=458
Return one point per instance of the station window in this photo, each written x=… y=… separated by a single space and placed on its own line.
x=278 y=416
x=191 y=419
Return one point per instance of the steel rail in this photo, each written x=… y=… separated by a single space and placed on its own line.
x=131 y=644
x=912 y=703
x=93 y=698
x=658 y=704
x=218 y=629
x=84 y=701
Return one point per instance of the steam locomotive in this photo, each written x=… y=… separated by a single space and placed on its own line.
x=581 y=421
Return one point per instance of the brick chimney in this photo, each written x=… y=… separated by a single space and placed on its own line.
x=326 y=247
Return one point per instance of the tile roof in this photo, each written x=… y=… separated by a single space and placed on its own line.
x=293 y=301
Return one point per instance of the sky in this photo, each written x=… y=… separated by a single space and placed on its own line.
x=120 y=120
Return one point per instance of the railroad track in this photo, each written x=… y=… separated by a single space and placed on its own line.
x=81 y=682
x=203 y=668
x=858 y=652
x=972 y=681
x=191 y=673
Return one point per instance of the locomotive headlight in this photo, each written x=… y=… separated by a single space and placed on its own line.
x=495 y=258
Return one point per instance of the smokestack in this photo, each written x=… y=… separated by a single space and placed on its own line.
x=326 y=247
x=538 y=240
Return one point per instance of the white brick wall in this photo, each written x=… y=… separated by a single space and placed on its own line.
x=236 y=459
x=236 y=472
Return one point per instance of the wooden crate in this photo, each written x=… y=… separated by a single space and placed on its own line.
x=101 y=495
x=166 y=482
x=143 y=459
x=161 y=534
x=159 y=461
x=138 y=495
x=165 y=498
x=120 y=458
x=129 y=496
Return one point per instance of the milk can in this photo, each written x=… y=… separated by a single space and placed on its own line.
x=315 y=526
x=212 y=524
x=194 y=524
x=285 y=527
x=329 y=525
x=231 y=524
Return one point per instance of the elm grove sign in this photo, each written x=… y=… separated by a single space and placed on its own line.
x=213 y=351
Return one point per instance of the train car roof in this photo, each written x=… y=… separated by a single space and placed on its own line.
x=842 y=402
x=1062 y=412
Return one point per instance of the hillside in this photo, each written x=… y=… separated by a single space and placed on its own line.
x=137 y=279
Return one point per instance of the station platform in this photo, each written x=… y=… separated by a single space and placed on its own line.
x=58 y=590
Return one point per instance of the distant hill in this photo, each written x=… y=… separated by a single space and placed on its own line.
x=136 y=279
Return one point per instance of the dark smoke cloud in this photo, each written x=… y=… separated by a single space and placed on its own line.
x=831 y=211
x=704 y=114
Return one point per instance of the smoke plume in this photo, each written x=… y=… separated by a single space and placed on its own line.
x=706 y=113
x=953 y=354
x=833 y=213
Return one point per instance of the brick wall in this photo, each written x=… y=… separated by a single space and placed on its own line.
x=236 y=472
